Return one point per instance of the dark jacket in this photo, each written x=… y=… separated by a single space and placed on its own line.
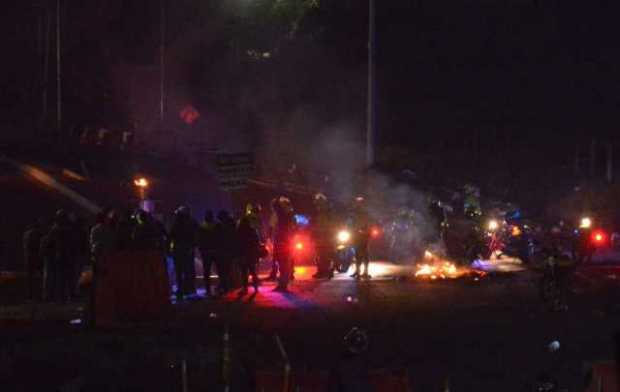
x=207 y=241
x=124 y=231
x=284 y=229
x=47 y=248
x=361 y=223
x=62 y=237
x=324 y=229
x=248 y=239
x=184 y=233
x=147 y=236
x=32 y=241
x=225 y=237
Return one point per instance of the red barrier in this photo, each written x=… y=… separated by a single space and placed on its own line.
x=380 y=381
x=311 y=381
x=270 y=381
x=604 y=377
x=132 y=286
x=384 y=381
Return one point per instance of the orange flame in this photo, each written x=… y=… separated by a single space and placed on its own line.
x=445 y=270
x=438 y=268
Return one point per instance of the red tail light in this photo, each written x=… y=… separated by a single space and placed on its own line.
x=375 y=232
x=299 y=243
x=599 y=237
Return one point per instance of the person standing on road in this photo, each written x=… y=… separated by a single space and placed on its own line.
x=79 y=242
x=63 y=263
x=101 y=239
x=183 y=240
x=32 y=256
x=207 y=247
x=273 y=224
x=282 y=241
x=124 y=225
x=46 y=253
x=146 y=234
x=253 y=215
x=323 y=234
x=101 y=245
x=361 y=239
x=249 y=244
x=226 y=247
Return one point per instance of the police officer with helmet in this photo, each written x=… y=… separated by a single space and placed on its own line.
x=183 y=235
x=361 y=238
x=284 y=231
x=323 y=233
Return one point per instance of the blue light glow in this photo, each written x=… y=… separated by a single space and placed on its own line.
x=302 y=220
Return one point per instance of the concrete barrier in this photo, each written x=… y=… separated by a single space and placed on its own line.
x=131 y=286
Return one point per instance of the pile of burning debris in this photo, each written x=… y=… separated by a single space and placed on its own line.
x=435 y=267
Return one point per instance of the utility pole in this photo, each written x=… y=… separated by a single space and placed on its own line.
x=592 y=158
x=46 y=67
x=577 y=164
x=610 y=163
x=162 y=61
x=38 y=75
x=58 y=72
x=371 y=109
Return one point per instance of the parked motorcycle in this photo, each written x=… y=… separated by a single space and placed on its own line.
x=345 y=252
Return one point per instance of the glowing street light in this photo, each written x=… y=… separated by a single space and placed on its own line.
x=141 y=182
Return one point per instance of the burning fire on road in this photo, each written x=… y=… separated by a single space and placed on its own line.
x=437 y=268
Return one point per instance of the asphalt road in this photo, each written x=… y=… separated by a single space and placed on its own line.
x=486 y=335
x=489 y=334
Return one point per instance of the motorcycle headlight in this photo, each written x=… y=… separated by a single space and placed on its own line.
x=585 y=223
x=344 y=236
x=493 y=225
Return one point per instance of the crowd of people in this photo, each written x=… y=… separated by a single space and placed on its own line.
x=232 y=246
x=60 y=251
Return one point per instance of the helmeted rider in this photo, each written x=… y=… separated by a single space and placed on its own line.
x=361 y=237
x=323 y=232
x=583 y=248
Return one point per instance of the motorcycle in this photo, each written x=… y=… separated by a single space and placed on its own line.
x=504 y=239
x=345 y=252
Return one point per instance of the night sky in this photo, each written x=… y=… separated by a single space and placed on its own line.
x=538 y=73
